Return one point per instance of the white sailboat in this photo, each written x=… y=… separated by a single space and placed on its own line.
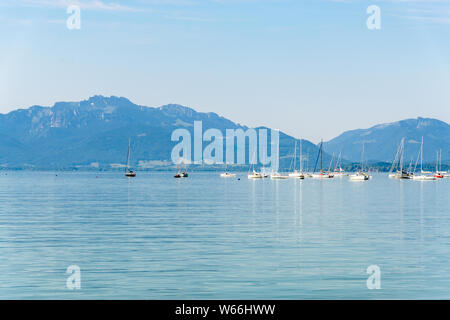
x=360 y=175
x=397 y=164
x=439 y=174
x=295 y=173
x=181 y=174
x=338 y=171
x=254 y=174
x=422 y=175
x=322 y=174
x=128 y=172
x=277 y=176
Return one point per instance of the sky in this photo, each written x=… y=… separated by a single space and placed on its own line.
x=311 y=68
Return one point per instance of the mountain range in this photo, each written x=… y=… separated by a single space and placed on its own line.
x=381 y=141
x=95 y=133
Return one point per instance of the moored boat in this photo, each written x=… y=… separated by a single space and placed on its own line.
x=397 y=164
x=227 y=175
x=295 y=173
x=422 y=176
x=321 y=174
x=255 y=175
x=439 y=174
x=128 y=172
x=278 y=176
x=181 y=174
x=360 y=175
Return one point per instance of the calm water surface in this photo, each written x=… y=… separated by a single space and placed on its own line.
x=155 y=237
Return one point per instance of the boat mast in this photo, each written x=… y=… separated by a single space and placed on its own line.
x=321 y=151
x=401 y=154
x=128 y=157
x=317 y=158
x=338 y=163
x=301 y=162
x=295 y=156
x=421 y=156
x=252 y=165
x=395 y=162
x=362 y=158
x=331 y=162
x=437 y=161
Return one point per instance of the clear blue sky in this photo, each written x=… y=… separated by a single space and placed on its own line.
x=309 y=68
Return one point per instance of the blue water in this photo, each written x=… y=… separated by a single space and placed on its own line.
x=155 y=237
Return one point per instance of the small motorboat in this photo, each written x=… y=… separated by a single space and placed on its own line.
x=359 y=176
x=130 y=173
x=227 y=175
x=183 y=174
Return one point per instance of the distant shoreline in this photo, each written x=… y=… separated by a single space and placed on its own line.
x=380 y=167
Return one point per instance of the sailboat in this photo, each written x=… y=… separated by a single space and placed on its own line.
x=295 y=173
x=338 y=171
x=439 y=174
x=422 y=175
x=227 y=174
x=181 y=174
x=255 y=174
x=277 y=176
x=321 y=174
x=360 y=175
x=397 y=164
x=128 y=172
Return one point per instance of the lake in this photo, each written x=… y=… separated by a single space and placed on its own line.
x=205 y=237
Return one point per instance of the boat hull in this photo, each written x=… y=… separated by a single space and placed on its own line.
x=253 y=176
x=295 y=175
x=322 y=176
x=227 y=175
x=359 y=178
x=423 y=178
x=278 y=177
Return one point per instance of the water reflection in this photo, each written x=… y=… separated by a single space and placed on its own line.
x=207 y=237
